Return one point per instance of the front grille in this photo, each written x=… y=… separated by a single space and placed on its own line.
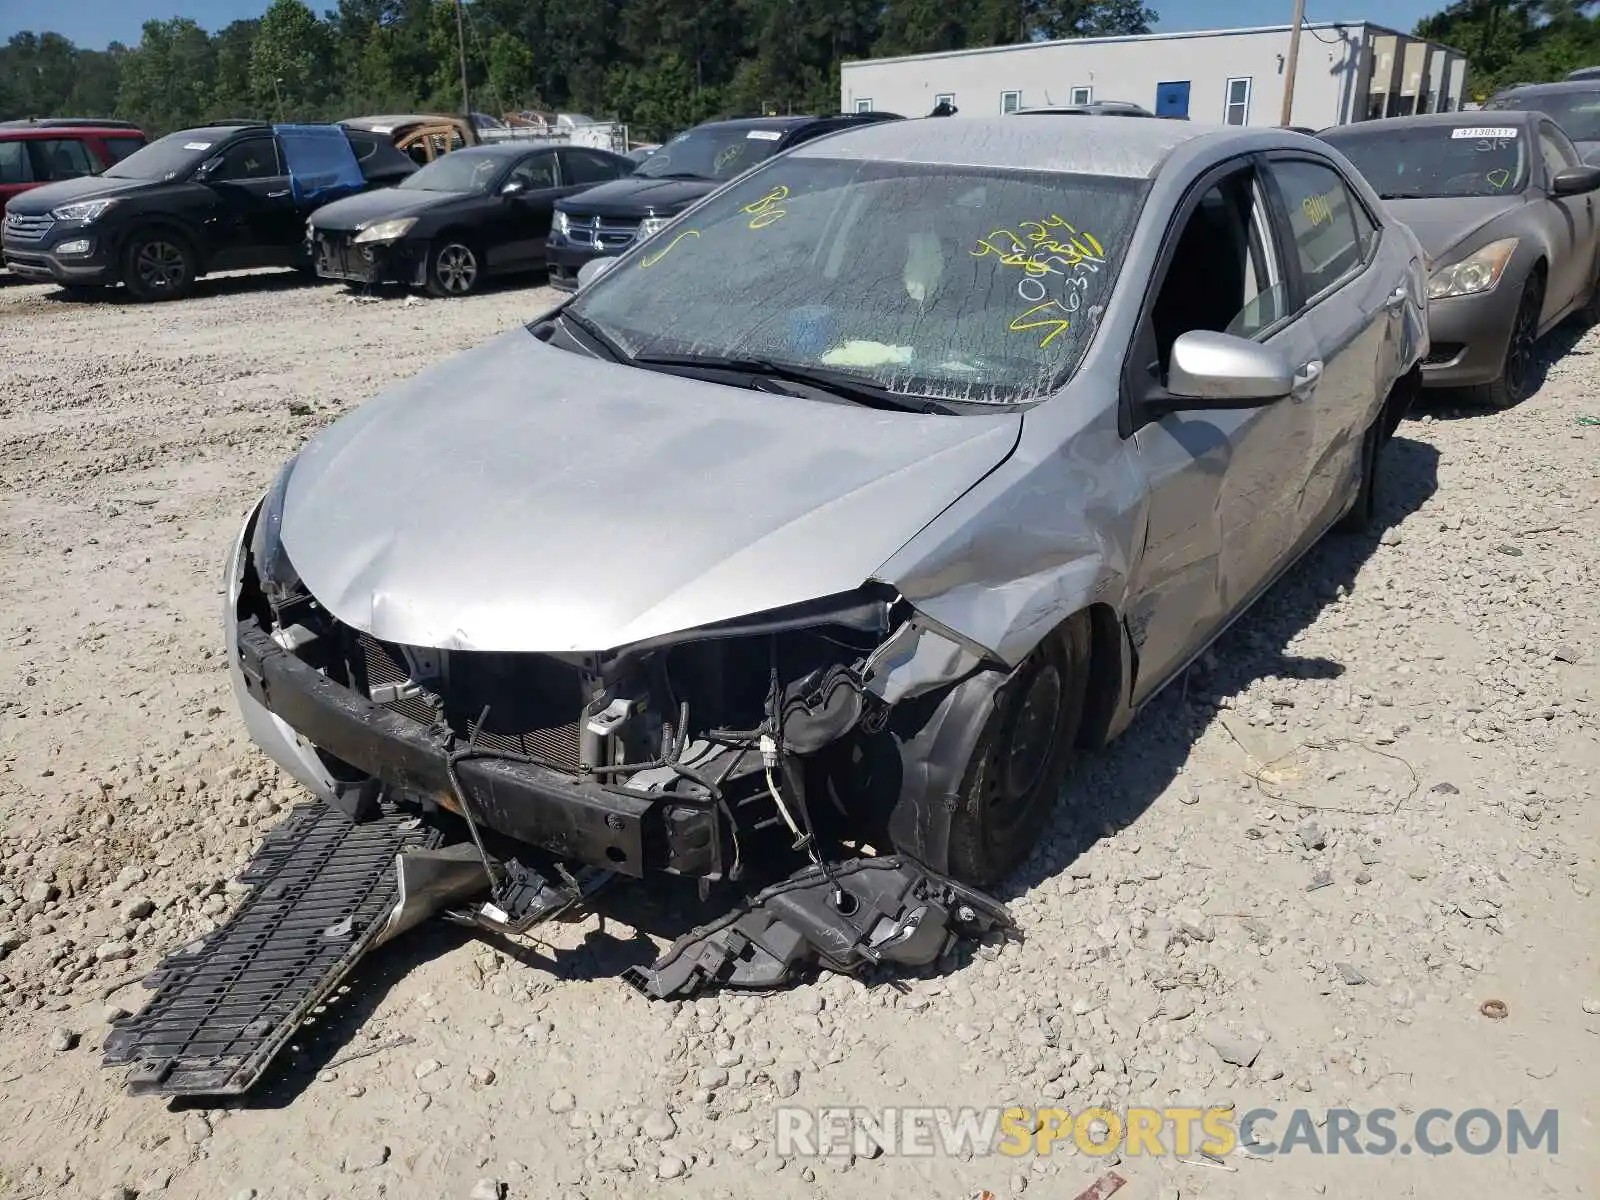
x=534 y=703
x=338 y=257
x=27 y=229
x=602 y=233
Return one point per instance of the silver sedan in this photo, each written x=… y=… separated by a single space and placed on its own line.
x=844 y=511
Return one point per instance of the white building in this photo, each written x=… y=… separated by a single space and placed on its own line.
x=1348 y=71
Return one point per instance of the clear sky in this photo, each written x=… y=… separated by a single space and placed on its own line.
x=93 y=23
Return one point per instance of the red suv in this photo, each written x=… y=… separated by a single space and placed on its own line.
x=36 y=152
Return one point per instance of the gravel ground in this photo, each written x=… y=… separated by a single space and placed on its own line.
x=1363 y=815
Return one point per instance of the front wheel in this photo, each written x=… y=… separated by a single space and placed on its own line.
x=158 y=265
x=1516 y=374
x=453 y=269
x=1366 y=506
x=1014 y=777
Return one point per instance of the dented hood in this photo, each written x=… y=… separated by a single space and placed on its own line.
x=523 y=498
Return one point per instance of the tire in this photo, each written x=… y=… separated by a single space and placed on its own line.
x=158 y=265
x=454 y=268
x=1365 y=508
x=1013 y=780
x=1515 y=381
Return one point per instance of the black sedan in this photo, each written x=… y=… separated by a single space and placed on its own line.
x=1505 y=210
x=691 y=166
x=466 y=216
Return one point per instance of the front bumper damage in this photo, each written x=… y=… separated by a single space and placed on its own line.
x=431 y=803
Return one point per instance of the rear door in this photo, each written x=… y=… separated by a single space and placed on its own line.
x=1348 y=306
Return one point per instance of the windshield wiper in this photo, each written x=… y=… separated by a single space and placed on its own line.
x=678 y=175
x=844 y=384
x=596 y=335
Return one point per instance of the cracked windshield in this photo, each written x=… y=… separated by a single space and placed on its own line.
x=931 y=281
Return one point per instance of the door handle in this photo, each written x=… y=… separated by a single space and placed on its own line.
x=1306 y=376
x=277 y=195
x=1396 y=298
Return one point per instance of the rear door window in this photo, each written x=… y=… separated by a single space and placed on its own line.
x=579 y=167
x=1332 y=232
x=121 y=147
x=15 y=164
x=62 y=158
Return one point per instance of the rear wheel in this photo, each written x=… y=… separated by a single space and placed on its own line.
x=1014 y=777
x=1366 y=505
x=453 y=268
x=1516 y=374
x=158 y=265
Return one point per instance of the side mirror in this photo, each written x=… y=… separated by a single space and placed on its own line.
x=593 y=269
x=1574 y=181
x=1219 y=370
x=513 y=187
x=204 y=170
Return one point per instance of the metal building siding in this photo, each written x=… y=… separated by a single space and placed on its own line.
x=1125 y=69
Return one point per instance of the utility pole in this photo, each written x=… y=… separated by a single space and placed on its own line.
x=461 y=45
x=1294 y=61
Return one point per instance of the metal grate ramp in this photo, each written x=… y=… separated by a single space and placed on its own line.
x=322 y=890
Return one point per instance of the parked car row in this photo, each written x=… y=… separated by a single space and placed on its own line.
x=229 y=196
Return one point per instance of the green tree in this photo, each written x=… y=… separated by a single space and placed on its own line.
x=234 y=95
x=166 y=83
x=291 y=62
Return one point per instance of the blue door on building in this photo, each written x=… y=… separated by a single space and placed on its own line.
x=1172 y=99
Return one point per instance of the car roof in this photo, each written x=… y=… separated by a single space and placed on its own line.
x=389 y=122
x=1090 y=145
x=217 y=133
x=91 y=124
x=510 y=149
x=1559 y=87
x=1449 y=120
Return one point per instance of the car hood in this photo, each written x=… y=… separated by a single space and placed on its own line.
x=40 y=200
x=636 y=197
x=524 y=498
x=1443 y=223
x=380 y=204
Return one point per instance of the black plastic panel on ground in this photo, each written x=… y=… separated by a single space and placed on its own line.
x=321 y=891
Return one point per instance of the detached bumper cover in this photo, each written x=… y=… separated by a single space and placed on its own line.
x=575 y=819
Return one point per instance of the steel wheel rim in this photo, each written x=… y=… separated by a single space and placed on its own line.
x=457 y=269
x=1519 y=358
x=159 y=264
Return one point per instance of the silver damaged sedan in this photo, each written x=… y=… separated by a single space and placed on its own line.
x=802 y=551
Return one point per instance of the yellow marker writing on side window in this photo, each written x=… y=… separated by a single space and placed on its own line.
x=1316 y=207
x=650 y=260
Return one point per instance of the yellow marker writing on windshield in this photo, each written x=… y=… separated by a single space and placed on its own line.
x=650 y=260
x=765 y=210
x=1499 y=177
x=1021 y=322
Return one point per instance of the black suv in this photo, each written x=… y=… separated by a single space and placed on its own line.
x=605 y=220
x=220 y=198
